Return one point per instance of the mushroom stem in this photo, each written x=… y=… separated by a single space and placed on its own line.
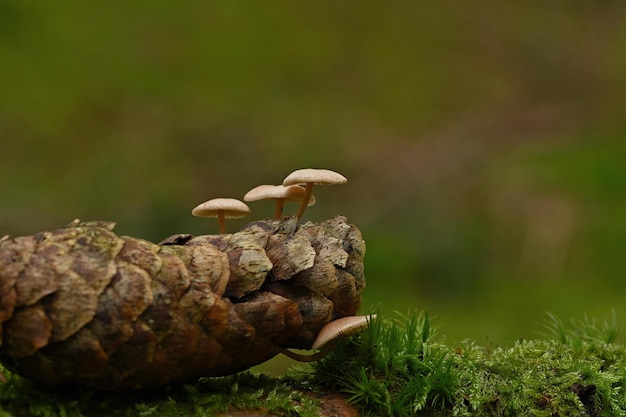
x=221 y=222
x=305 y=201
x=278 y=212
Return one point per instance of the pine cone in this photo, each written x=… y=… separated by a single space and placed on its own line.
x=81 y=305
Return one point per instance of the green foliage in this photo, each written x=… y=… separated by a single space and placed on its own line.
x=208 y=396
x=399 y=368
x=393 y=368
x=582 y=330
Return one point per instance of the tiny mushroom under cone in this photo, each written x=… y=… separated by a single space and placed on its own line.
x=222 y=208
x=310 y=177
x=329 y=335
x=280 y=193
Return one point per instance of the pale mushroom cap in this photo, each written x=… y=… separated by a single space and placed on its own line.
x=231 y=207
x=289 y=193
x=316 y=176
x=344 y=326
x=297 y=193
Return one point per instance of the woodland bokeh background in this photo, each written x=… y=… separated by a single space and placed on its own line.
x=484 y=142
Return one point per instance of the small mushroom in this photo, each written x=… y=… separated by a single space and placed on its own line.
x=329 y=335
x=310 y=177
x=279 y=193
x=222 y=208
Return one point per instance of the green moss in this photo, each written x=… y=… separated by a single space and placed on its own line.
x=400 y=368
x=206 y=397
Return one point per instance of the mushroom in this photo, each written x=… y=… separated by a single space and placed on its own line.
x=221 y=208
x=330 y=334
x=279 y=193
x=310 y=177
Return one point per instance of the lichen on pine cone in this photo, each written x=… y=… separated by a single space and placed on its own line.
x=82 y=305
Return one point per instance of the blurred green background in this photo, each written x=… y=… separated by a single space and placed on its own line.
x=483 y=141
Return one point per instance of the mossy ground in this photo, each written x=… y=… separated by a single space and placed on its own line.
x=397 y=367
x=401 y=369
x=206 y=397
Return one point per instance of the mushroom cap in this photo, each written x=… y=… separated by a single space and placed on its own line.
x=231 y=207
x=289 y=193
x=342 y=327
x=316 y=176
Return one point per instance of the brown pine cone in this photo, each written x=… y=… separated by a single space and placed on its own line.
x=83 y=306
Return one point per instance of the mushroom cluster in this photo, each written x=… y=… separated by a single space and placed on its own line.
x=297 y=187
